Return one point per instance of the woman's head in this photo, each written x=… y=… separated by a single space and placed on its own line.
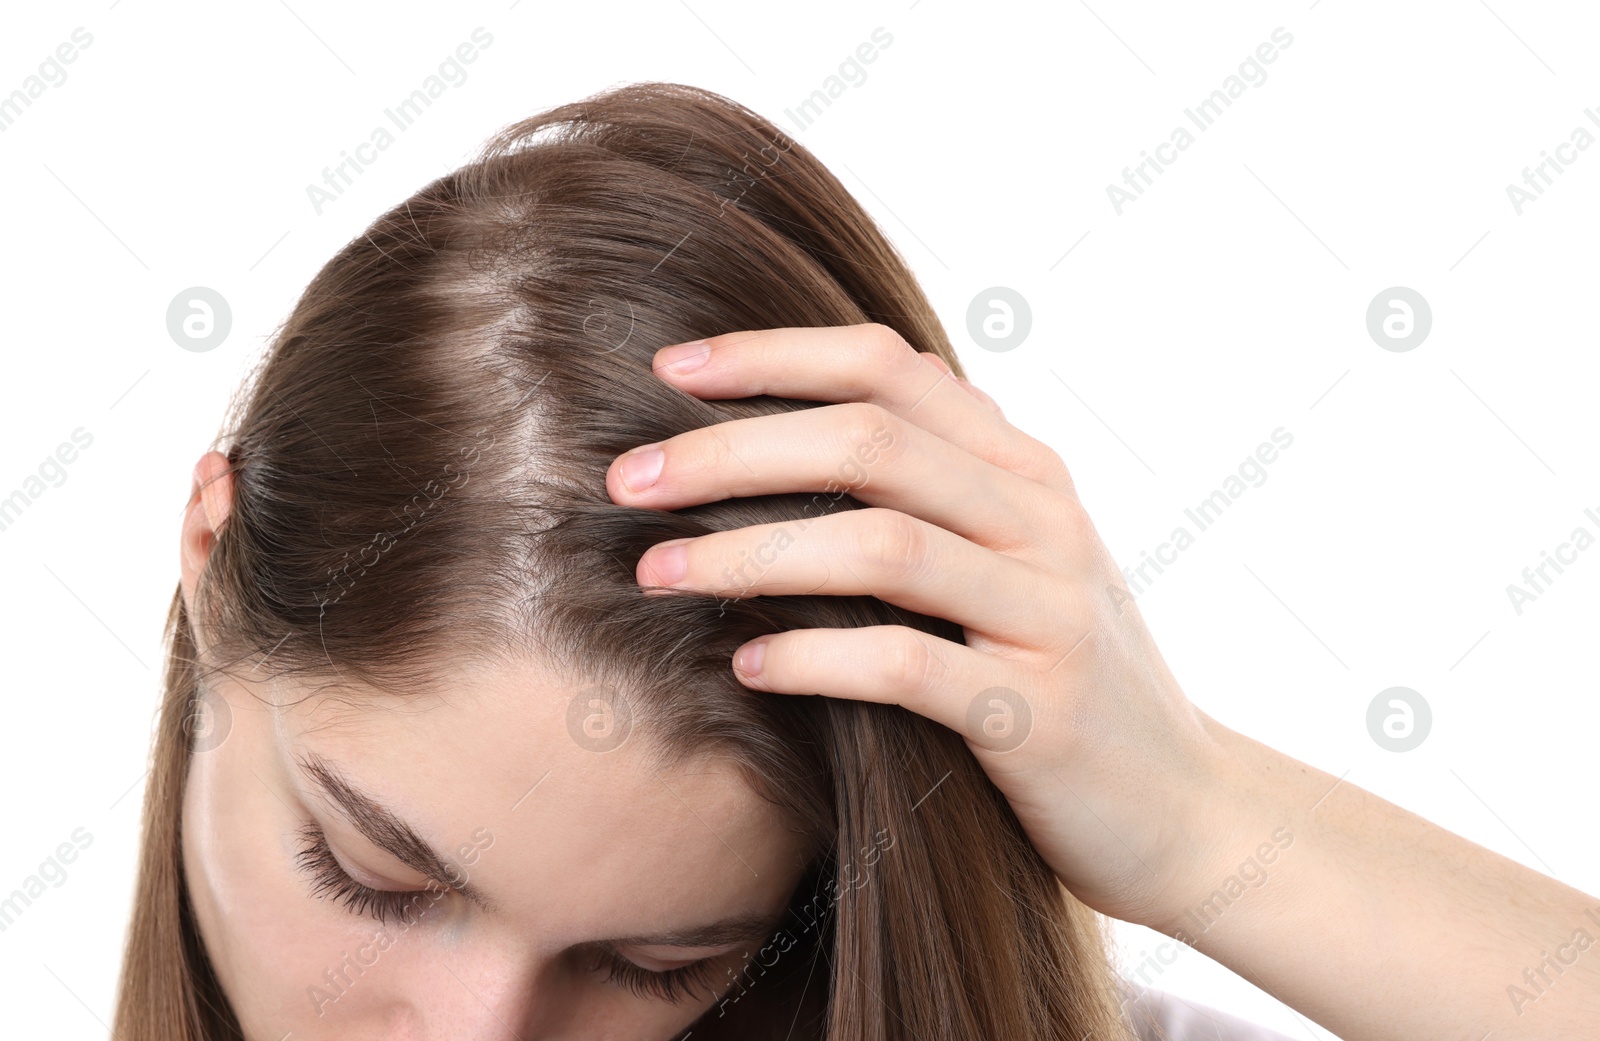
x=409 y=619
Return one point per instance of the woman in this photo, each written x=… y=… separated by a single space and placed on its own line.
x=445 y=752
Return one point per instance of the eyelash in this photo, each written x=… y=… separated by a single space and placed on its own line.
x=674 y=985
x=331 y=881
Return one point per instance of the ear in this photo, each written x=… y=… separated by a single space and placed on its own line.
x=210 y=501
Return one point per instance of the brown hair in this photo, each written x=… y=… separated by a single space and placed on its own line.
x=457 y=379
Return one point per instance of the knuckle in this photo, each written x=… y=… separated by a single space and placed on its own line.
x=1039 y=462
x=909 y=663
x=712 y=454
x=876 y=352
x=869 y=424
x=897 y=545
x=1059 y=525
x=872 y=353
x=885 y=346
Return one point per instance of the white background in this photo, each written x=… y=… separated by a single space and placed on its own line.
x=1166 y=342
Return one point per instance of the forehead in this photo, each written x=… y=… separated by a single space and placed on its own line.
x=589 y=827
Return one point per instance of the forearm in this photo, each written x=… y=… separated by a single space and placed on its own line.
x=1377 y=924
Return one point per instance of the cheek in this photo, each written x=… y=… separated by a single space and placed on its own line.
x=287 y=962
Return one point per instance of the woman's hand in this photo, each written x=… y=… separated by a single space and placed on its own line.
x=1147 y=809
x=1060 y=690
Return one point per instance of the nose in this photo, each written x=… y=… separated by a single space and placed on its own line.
x=470 y=993
x=483 y=999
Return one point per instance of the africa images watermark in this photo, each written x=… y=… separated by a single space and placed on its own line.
x=1203 y=514
x=51 y=870
x=53 y=470
x=1203 y=116
x=1538 y=979
x=1536 y=179
x=1537 y=578
x=341 y=977
x=850 y=74
x=402 y=116
x=811 y=915
x=50 y=74
x=742 y=178
x=852 y=476
x=1252 y=872
x=421 y=502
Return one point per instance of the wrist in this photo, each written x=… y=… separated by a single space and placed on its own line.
x=1235 y=830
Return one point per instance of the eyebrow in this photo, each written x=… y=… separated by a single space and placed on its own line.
x=740 y=928
x=388 y=832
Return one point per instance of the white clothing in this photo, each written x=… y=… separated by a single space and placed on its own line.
x=1157 y=1016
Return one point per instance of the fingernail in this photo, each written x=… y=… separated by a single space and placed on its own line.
x=668 y=562
x=684 y=357
x=641 y=467
x=748 y=660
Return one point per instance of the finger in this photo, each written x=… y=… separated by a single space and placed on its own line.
x=869 y=363
x=858 y=449
x=873 y=552
x=966 y=385
x=977 y=392
x=984 y=698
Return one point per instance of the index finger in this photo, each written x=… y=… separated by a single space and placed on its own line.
x=869 y=363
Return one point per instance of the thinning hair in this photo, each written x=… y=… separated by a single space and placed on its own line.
x=418 y=468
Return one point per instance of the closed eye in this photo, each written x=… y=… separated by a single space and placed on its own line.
x=674 y=985
x=331 y=881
